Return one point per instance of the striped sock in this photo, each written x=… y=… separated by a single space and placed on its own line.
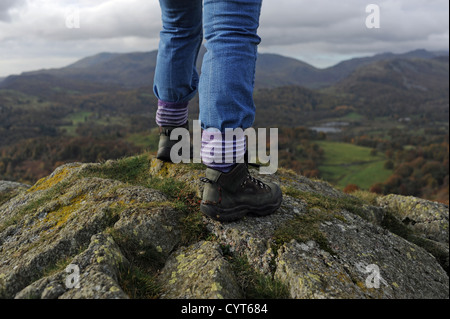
x=171 y=114
x=219 y=154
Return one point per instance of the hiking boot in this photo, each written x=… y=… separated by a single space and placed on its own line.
x=231 y=196
x=165 y=143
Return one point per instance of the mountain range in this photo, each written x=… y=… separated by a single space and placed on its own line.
x=102 y=107
x=134 y=70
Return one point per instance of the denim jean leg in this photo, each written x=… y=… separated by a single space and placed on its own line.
x=176 y=78
x=228 y=70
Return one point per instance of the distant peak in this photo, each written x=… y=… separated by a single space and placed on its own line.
x=93 y=60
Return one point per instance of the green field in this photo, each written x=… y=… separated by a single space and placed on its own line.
x=351 y=164
x=75 y=118
x=147 y=140
x=86 y=116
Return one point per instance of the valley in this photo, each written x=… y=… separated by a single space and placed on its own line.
x=378 y=123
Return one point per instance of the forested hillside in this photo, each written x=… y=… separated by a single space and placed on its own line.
x=391 y=109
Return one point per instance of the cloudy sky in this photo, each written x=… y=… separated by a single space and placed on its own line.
x=36 y=34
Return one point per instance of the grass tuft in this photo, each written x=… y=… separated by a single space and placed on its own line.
x=255 y=285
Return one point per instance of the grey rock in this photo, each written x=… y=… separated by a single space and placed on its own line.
x=6 y=186
x=321 y=243
x=157 y=227
x=92 y=274
x=427 y=222
x=252 y=237
x=430 y=219
x=9 y=190
x=367 y=262
x=199 y=272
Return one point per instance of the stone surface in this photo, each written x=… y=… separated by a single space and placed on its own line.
x=426 y=220
x=367 y=262
x=10 y=189
x=430 y=219
x=90 y=275
x=199 y=272
x=321 y=243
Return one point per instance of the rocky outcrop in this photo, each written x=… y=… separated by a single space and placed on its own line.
x=423 y=222
x=131 y=228
x=10 y=189
x=430 y=219
x=199 y=271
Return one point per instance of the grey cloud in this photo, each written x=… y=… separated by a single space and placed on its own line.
x=98 y=20
x=286 y=22
x=305 y=29
x=7 y=5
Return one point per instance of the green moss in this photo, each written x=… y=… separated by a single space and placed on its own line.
x=60 y=216
x=366 y=196
x=198 y=166
x=50 y=181
x=62 y=263
x=6 y=196
x=184 y=199
x=350 y=203
x=138 y=279
x=255 y=285
x=133 y=170
x=53 y=191
x=305 y=228
x=193 y=229
x=136 y=253
x=138 y=283
x=394 y=225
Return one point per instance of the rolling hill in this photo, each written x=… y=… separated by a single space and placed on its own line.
x=134 y=70
x=401 y=86
x=409 y=85
x=102 y=107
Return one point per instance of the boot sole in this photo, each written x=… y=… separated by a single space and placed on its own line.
x=235 y=213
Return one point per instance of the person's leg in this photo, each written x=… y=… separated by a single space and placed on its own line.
x=226 y=102
x=176 y=78
x=228 y=72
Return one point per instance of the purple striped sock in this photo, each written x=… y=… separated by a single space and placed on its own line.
x=171 y=114
x=219 y=154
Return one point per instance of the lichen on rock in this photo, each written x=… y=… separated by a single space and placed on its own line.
x=133 y=229
x=97 y=270
x=430 y=219
x=199 y=272
x=9 y=190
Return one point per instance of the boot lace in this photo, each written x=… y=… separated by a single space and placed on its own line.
x=206 y=180
x=249 y=178
x=254 y=181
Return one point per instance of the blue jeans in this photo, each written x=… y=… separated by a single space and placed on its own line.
x=226 y=83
